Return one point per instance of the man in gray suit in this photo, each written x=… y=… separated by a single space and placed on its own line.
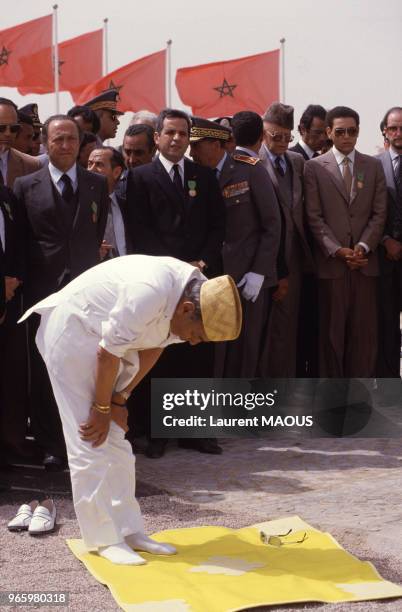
x=390 y=250
x=285 y=169
x=346 y=203
x=253 y=231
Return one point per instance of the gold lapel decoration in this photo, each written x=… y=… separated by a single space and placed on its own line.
x=94 y=208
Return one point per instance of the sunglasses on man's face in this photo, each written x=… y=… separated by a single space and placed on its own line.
x=352 y=131
x=276 y=137
x=392 y=129
x=13 y=127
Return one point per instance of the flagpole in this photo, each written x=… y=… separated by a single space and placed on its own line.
x=282 y=69
x=56 y=59
x=169 y=72
x=105 y=47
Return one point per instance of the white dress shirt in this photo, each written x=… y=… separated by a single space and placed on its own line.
x=168 y=165
x=309 y=152
x=118 y=225
x=56 y=174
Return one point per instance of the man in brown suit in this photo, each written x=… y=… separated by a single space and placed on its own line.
x=13 y=163
x=346 y=207
x=285 y=169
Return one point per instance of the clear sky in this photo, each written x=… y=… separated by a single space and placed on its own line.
x=345 y=52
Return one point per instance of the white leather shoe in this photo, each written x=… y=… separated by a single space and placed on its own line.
x=22 y=519
x=43 y=518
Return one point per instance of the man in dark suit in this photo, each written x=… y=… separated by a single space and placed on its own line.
x=175 y=208
x=13 y=163
x=253 y=230
x=65 y=209
x=285 y=169
x=312 y=132
x=13 y=370
x=346 y=203
x=390 y=251
x=110 y=163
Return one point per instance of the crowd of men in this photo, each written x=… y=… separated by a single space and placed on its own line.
x=311 y=233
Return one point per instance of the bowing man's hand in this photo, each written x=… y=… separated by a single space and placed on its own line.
x=120 y=416
x=96 y=428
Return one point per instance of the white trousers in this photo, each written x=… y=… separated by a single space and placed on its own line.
x=102 y=478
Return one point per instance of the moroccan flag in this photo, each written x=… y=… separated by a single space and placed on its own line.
x=26 y=54
x=225 y=88
x=141 y=84
x=80 y=63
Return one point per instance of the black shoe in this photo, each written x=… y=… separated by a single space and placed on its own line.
x=202 y=445
x=52 y=463
x=156 y=449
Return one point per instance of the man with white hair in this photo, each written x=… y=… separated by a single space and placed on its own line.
x=144 y=116
x=99 y=336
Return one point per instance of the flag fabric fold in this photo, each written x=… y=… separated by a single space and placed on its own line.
x=224 y=88
x=26 y=54
x=141 y=84
x=80 y=64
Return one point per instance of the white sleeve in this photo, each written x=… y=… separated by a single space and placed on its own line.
x=136 y=308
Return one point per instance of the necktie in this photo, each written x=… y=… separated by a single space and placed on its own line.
x=216 y=171
x=315 y=154
x=279 y=166
x=67 y=192
x=177 y=179
x=110 y=236
x=398 y=173
x=347 y=175
x=1 y=173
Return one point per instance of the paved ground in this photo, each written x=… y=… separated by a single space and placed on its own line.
x=350 y=487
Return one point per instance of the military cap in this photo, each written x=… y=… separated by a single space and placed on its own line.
x=24 y=118
x=107 y=100
x=281 y=114
x=202 y=128
x=225 y=122
x=32 y=111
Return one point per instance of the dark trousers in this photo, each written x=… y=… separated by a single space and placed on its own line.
x=389 y=309
x=13 y=379
x=46 y=423
x=308 y=329
x=348 y=326
x=177 y=361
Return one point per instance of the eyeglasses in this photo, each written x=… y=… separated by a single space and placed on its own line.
x=275 y=540
x=276 y=137
x=352 y=131
x=13 y=127
x=392 y=129
x=113 y=117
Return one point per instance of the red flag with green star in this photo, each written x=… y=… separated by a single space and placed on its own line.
x=225 y=88
x=20 y=48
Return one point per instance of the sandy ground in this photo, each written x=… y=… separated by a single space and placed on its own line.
x=351 y=488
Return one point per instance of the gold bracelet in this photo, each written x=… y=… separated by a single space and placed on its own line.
x=102 y=409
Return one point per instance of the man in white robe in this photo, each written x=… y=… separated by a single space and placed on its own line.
x=99 y=336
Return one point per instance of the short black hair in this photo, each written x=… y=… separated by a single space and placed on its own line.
x=8 y=102
x=341 y=111
x=247 y=128
x=313 y=110
x=45 y=128
x=116 y=160
x=384 y=122
x=171 y=113
x=24 y=118
x=88 y=115
x=142 y=128
x=87 y=137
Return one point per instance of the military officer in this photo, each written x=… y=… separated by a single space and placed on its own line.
x=253 y=230
x=105 y=106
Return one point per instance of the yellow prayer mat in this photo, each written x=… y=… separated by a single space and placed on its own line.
x=221 y=570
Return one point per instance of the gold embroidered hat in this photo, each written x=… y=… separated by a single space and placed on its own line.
x=107 y=100
x=32 y=111
x=202 y=128
x=221 y=309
